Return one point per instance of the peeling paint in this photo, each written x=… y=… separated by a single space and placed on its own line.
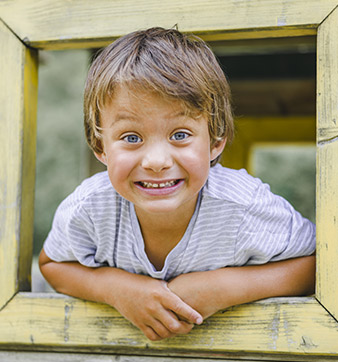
x=127 y=342
x=281 y=21
x=307 y=343
x=68 y=312
x=65 y=37
x=274 y=329
x=287 y=330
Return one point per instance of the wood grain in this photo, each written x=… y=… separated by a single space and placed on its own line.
x=67 y=24
x=327 y=164
x=81 y=357
x=18 y=95
x=281 y=325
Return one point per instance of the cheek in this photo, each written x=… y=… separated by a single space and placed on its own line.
x=199 y=155
x=120 y=165
x=197 y=163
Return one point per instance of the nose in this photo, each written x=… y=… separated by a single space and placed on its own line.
x=157 y=157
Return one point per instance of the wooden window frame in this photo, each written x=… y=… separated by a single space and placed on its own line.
x=267 y=329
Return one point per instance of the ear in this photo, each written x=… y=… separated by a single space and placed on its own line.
x=217 y=148
x=101 y=157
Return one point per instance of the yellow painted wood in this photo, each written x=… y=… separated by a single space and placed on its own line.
x=282 y=325
x=18 y=97
x=327 y=226
x=251 y=130
x=62 y=24
x=327 y=79
x=28 y=157
x=327 y=164
x=17 y=160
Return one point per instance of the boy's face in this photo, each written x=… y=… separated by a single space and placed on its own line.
x=157 y=157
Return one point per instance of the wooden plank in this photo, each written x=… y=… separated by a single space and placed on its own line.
x=54 y=322
x=17 y=111
x=327 y=225
x=63 y=24
x=327 y=77
x=327 y=158
x=10 y=48
x=14 y=356
x=80 y=357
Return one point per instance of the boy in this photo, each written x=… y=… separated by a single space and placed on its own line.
x=161 y=234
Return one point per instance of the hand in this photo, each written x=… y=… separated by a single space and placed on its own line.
x=198 y=290
x=146 y=302
x=152 y=307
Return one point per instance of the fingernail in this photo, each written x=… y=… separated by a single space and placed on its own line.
x=199 y=320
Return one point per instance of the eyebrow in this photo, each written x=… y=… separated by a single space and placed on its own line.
x=127 y=115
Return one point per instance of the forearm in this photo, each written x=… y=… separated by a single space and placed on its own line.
x=294 y=277
x=211 y=291
x=79 y=281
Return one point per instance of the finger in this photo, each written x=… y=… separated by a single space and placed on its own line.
x=183 y=310
x=160 y=329
x=173 y=324
x=150 y=333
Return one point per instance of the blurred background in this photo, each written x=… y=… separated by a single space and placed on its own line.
x=273 y=85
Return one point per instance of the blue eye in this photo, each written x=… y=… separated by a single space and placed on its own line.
x=132 y=138
x=179 y=136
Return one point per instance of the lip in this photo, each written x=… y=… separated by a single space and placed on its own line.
x=160 y=191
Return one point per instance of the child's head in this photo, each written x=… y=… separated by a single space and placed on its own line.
x=166 y=62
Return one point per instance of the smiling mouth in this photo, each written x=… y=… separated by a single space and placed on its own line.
x=161 y=185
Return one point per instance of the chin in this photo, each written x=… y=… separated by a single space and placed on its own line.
x=159 y=207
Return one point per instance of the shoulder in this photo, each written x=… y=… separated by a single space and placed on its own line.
x=95 y=185
x=235 y=186
x=94 y=193
x=83 y=223
x=88 y=209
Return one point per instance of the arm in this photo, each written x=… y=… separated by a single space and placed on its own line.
x=146 y=302
x=210 y=291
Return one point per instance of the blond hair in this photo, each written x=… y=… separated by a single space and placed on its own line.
x=165 y=61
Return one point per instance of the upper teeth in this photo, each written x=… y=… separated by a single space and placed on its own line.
x=154 y=185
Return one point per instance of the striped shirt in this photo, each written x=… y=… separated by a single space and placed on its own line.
x=237 y=221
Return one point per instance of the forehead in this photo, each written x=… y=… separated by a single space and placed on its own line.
x=127 y=96
x=139 y=101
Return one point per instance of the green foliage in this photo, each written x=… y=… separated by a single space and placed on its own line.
x=290 y=170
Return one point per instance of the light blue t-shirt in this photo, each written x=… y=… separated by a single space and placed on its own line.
x=237 y=221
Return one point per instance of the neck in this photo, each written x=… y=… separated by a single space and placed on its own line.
x=161 y=234
x=163 y=223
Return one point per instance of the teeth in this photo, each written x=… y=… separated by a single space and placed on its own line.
x=160 y=185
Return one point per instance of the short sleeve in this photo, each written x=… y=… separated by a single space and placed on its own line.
x=72 y=235
x=272 y=230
